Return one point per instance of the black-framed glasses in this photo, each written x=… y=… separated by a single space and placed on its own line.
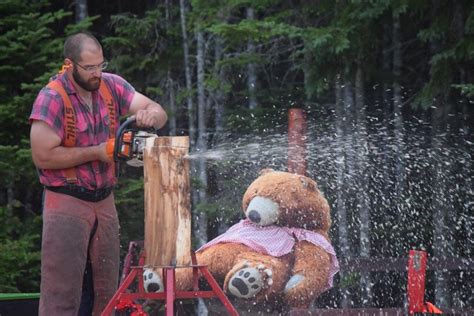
x=92 y=68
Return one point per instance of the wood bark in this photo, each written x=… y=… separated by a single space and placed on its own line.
x=167 y=201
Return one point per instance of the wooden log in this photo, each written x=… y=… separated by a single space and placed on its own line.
x=167 y=201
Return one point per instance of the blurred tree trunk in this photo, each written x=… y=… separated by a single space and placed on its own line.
x=466 y=173
x=397 y=208
x=220 y=98
x=439 y=206
x=467 y=177
x=80 y=10
x=251 y=67
x=341 y=211
x=167 y=14
x=442 y=204
x=397 y=110
x=386 y=65
x=201 y=218
x=201 y=146
x=171 y=102
x=219 y=93
x=383 y=126
x=306 y=72
x=169 y=80
x=187 y=72
x=361 y=165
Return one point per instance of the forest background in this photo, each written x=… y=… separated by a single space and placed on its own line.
x=387 y=87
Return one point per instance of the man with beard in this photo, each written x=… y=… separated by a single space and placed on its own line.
x=73 y=122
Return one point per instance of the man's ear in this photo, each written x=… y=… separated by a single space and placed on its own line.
x=68 y=61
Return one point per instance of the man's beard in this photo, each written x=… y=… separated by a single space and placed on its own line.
x=90 y=85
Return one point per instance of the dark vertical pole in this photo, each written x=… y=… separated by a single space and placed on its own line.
x=297 y=141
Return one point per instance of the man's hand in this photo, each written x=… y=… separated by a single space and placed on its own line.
x=106 y=151
x=48 y=153
x=147 y=118
x=147 y=112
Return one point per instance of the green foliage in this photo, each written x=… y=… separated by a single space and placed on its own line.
x=130 y=203
x=466 y=89
x=19 y=250
x=349 y=280
x=259 y=31
x=27 y=47
x=456 y=52
x=148 y=37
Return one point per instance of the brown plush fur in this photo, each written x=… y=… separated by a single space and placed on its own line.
x=298 y=196
x=301 y=205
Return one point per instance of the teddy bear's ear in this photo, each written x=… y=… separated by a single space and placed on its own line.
x=264 y=171
x=309 y=184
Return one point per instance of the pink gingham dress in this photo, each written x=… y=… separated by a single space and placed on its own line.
x=275 y=241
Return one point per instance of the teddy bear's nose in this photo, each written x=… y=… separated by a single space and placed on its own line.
x=254 y=216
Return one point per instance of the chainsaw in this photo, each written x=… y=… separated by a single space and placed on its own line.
x=130 y=142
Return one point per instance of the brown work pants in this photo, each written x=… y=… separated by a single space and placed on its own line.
x=67 y=227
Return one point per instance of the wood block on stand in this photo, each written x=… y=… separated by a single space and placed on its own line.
x=167 y=201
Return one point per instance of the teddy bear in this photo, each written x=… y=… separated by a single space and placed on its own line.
x=280 y=254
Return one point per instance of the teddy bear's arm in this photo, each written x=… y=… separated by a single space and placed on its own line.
x=309 y=276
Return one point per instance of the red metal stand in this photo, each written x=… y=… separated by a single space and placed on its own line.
x=297 y=141
x=123 y=298
x=416 y=281
x=416 y=284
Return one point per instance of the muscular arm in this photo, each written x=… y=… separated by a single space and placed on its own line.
x=147 y=112
x=48 y=153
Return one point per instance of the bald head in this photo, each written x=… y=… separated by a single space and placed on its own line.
x=78 y=43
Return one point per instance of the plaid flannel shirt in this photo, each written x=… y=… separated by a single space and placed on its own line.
x=92 y=128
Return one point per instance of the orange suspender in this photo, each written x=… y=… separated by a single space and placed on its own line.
x=107 y=96
x=70 y=119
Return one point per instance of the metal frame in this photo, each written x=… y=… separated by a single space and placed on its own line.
x=123 y=298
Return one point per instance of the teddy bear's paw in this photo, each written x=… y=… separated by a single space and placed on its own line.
x=293 y=282
x=248 y=282
x=152 y=281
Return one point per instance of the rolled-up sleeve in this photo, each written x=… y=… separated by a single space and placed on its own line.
x=48 y=107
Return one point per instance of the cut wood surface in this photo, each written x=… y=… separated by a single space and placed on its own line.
x=167 y=201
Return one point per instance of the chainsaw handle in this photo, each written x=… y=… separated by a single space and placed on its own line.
x=123 y=146
x=118 y=138
x=127 y=124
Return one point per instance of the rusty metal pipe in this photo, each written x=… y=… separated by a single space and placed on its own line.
x=297 y=141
